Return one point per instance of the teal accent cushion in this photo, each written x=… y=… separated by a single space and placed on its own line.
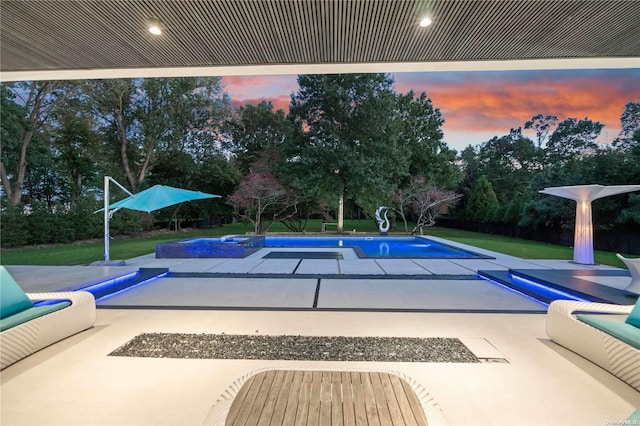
x=31 y=313
x=618 y=329
x=634 y=419
x=634 y=316
x=12 y=297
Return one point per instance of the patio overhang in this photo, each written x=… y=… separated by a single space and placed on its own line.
x=76 y=39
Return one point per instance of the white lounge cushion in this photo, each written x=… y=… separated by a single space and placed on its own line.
x=24 y=339
x=603 y=349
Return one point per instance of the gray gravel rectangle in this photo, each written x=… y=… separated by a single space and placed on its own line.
x=301 y=348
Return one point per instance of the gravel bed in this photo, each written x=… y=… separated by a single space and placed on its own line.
x=299 y=348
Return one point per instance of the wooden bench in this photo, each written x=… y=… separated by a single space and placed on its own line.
x=325 y=224
x=286 y=397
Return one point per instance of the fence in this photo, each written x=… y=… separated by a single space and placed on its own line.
x=620 y=241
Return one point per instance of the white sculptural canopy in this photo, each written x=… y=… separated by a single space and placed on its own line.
x=584 y=195
x=589 y=192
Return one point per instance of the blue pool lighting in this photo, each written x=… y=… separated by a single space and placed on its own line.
x=49 y=302
x=543 y=290
x=124 y=290
x=105 y=285
x=513 y=290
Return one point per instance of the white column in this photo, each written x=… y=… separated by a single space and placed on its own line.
x=583 y=195
x=583 y=235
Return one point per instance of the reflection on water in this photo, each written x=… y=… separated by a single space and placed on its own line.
x=375 y=246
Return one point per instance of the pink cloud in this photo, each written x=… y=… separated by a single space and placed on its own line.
x=481 y=107
x=252 y=86
x=279 y=102
x=478 y=106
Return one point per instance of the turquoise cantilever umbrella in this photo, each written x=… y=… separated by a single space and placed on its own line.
x=154 y=198
x=158 y=197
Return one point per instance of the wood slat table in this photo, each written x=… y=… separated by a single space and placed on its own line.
x=288 y=397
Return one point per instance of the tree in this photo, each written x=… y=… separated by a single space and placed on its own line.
x=403 y=199
x=349 y=142
x=469 y=162
x=508 y=162
x=631 y=214
x=217 y=174
x=111 y=103
x=629 y=137
x=76 y=144
x=257 y=132
x=32 y=103
x=543 y=125
x=147 y=117
x=430 y=203
x=514 y=207
x=261 y=197
x=424 y=201
x=422 y=137
x=572 y=140
x=483 y=204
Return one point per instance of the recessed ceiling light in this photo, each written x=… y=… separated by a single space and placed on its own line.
x=425 y=22
x=154 y=26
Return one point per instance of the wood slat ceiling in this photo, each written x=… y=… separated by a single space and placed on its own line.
x=111 y=34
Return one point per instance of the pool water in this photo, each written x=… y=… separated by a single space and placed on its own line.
x=240 y=246
x=376 y=246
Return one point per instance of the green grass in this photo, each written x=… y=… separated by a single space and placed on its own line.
x=83 y=253
x=87 y=252
x=525 y=249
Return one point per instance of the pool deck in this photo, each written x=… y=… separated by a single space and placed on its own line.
x=49 y=278
x=347 y=282
x=523 y=379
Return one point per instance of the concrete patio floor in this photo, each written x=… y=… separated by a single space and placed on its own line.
x=525 y=380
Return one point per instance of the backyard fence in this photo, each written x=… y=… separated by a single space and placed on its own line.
x=619 y=241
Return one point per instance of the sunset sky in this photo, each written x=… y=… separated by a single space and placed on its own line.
x=478 y=105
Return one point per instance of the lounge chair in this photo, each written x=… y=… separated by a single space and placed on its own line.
x=611 y=343
x=30 y=322
x=634 y=269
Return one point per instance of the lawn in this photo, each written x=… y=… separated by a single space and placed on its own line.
x=83 y=253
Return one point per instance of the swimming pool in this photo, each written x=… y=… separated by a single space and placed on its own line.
x=372 y=247
x=375 y=246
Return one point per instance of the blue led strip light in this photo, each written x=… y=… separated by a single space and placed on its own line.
x=104 y=285
x=544 y=290
x=49 y=302
x=513 y=290
x=106 y=296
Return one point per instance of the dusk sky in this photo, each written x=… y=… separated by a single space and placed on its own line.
x=478 y=105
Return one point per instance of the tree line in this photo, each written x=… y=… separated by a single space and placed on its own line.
x=348 y=144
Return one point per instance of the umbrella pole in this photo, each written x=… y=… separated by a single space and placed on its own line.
x=106 y=218
x=107 y=214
